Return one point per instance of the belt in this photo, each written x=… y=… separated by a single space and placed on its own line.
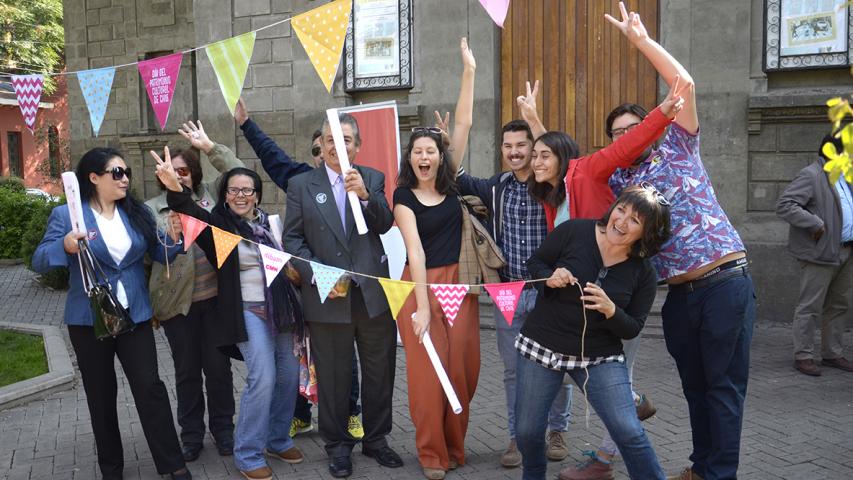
x=717 y=276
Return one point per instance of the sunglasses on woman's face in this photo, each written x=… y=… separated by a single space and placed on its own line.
x=118 y=173
x=183 y=171
x=315 y=151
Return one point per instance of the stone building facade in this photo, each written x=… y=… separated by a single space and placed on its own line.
x=758 y=129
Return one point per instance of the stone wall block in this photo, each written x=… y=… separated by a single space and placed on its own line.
x=272 y=75
x=275 y=123
x=98 y=3
x=112 y=48
x=282 y=50
x=93 y=18
x=99 y=33
x=763 y=196
x=764 y=141
x=244 y=150
x=282 y=6
x=245 y=8
x=802 y=137
x=278 y=31
x=282 y=98
x=259 y=99
x=112 y=15
x=776 y=167
x=262 y=53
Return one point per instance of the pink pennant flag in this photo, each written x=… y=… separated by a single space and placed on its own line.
x=160 y=76
x=192 y=228
x=274 y=261
x=28 y=90
x=506 y=296
x=497 y=9
x=450 y=298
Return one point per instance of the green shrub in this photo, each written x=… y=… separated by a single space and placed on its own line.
x=33 y=233
x=16 y=210
x=15 y=184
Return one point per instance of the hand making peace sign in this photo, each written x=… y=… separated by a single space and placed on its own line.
x=165 y=172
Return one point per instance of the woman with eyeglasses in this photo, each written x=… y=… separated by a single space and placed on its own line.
x=120 y=232
x=184 y=300
x=572 y=187
x=253 y=322
x=600 y=287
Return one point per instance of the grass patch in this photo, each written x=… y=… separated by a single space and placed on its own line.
x=21 y=357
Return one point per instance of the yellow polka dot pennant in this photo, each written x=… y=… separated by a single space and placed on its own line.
x=322 y=32
x=224 y=243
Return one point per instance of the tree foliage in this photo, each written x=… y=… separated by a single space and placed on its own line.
x=32 y=39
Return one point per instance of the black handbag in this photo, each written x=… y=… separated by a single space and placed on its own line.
x=110 y=318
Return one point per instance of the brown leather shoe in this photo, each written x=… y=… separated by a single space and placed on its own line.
x=686 y=474
x=839 y=362
x=807 y=366
x=263 y=473
x=645 y=409
x=291 y=455
x=511 y=458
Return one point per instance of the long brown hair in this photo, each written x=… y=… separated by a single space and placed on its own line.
x=565 y=149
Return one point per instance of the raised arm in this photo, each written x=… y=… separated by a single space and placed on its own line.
x=527 y=106
x=276 y=162
x=220 y=156
x=666 y=65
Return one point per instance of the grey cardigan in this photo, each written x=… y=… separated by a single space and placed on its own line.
x=809 y=203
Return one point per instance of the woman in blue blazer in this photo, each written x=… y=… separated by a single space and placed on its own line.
x=121 y=230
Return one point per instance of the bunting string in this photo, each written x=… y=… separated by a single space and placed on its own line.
x=343 y=271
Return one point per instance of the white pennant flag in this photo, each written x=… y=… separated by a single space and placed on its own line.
x=274 y=261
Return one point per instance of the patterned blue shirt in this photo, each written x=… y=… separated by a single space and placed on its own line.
x=846 y=199
x=522 y=229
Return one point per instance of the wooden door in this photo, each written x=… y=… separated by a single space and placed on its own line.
x=585 y=66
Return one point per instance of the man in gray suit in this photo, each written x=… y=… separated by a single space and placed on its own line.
x=319 y=225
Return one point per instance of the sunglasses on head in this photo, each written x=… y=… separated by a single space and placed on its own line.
x=662 y=200
x=602 y=274
x=118 y=172
x=433 y=130
x=315 y=151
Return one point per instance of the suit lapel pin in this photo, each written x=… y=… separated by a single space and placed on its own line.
x=321 y=198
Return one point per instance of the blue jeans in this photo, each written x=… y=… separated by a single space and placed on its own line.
x=708 y=332
x=266 y=406
x=560 y=413
x=608 y=391
x=630 y=348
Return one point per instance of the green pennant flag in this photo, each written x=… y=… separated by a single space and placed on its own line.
x=230 y=59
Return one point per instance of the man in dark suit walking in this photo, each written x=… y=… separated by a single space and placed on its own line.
x=319 y=225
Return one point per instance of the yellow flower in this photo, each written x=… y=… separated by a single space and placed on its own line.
x=840 y=163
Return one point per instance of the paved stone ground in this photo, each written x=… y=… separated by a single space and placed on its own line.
x=796 y=427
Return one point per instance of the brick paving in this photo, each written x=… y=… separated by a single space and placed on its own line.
x=796 y=427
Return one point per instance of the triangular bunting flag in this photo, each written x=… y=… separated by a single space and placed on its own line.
x=506 y=296
x=322 y=31
x=397 y=291
x=96 y=86
x=28 y=90
x=230 y=59
x=160 y=77
x=450 y=297
x=224 y=242
x=497 y=9
x=192 y=227
x=326 y=277
x=274 y=261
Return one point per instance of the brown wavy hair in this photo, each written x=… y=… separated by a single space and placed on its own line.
x=653 y=208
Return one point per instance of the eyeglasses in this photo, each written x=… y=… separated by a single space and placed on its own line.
x=434 y=130
x=183 y=171
x=662 y=200
x=246 y=191
x=118 y=173
x=618 y=132
x=601 y=274
x=315 y=151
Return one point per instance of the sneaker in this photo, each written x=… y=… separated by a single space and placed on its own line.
x=297 y=426
x=557 y=449
x=511 y=457
x=686 y=474
x=592 y=469
x=645 y=409
x=434 y=473
x=354 y=428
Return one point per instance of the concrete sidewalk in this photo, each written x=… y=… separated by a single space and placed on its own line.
x=796 y=427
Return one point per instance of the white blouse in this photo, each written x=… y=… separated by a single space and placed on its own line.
x=118 y=242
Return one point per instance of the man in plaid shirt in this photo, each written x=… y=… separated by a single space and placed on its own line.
x=517 y=223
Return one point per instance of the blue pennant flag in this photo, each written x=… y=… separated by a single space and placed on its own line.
x=96 y=86
x=326 y=277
